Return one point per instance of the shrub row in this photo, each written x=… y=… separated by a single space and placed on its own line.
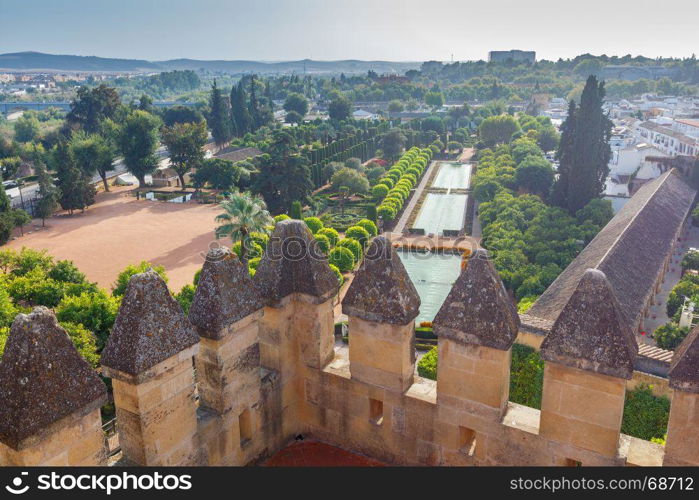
x=395 y=185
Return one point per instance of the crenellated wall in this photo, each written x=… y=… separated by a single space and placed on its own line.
x=255 y=364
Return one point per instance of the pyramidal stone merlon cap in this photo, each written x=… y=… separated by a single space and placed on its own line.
x=149 y=328
x=478 y=309
x=381 y=290
x=684 y=368
x=225 y=294
x=592 y=333
x=293 y=263
x=43 y=378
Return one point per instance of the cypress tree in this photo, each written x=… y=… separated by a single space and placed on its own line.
x=219 y=119
x=239 y=109
x=254 y=106
x=296 y=210
x=584 y=153
x=564 y=155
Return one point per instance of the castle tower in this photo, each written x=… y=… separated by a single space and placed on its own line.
x=149 y=358
x=476 y=327
x=382 y=303
x=590 y=354
x=50 y=398
x=226 y=312
x=297 y=331
x=682 y=445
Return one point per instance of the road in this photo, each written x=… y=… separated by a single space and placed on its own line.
x=29 y=192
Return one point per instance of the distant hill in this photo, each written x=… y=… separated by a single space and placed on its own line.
x=26 y=61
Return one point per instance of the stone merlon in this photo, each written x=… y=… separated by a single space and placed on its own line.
x=381 y=290
x=478 y=309
x=592 y=333
x=149 y=328
x=43 y=378
x=293 y=263
x=684 y=369
x=225 y=294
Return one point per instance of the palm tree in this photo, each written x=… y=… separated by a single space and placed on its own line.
x=242 y=214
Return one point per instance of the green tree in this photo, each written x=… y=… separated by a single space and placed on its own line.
x=284 y=175
x=26 y=128
x=354 y=181
x=296 y=102
x=340 y=107
x=434 y=99
x=48 y=194
x=181 y=114
x=498 y=129
x=185 y=143
x=218 y=173
x=547 y=139
x=96 y=311
x=670 y=335
x=534 y=175
x=393 y=143
x=220 y=116
x=587 y=160
x=75 y=186
x=293 y=117
x=240 y=114
x=690 y=261
x=645 y=415
x=242 y=214
x=6 y=216
x=395 y=106
x=119 y=286
x=92 y=106
x=138 y=142
x=93 y=153
x=296 y=210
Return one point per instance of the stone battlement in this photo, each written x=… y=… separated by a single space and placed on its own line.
x=255 y=364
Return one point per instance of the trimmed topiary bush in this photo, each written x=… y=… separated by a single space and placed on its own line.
x=386 y=212
x=314 y=224
x=332 y=235
x=342 y=258
x=281 y=217
x=358 y=233
x=296 y=211
x=379 y=191
x=369 y=226
x=323 y=243
x=353 y=246
x=340 y=277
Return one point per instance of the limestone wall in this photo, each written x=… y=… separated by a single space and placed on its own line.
x=245 y=374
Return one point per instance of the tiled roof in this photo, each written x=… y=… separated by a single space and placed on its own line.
x=238 y=154
x=630 y=250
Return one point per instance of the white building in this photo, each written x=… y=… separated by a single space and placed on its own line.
x=667 y=139
x=687 y=126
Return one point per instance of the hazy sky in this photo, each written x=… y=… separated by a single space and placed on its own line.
x=413 y=30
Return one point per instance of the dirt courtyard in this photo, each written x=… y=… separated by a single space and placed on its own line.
x=118 y=230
